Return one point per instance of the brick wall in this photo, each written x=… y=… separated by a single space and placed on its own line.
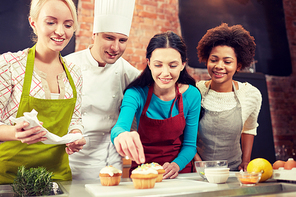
x=282 y=90
x=155 y=16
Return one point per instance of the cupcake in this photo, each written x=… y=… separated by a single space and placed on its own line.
x=110 y=176
x=144 y=177
x=159 y=169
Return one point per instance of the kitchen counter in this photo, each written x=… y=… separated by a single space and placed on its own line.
x=190 y=184
x=183 y=186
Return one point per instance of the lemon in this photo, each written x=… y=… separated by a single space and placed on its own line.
x=261 y=165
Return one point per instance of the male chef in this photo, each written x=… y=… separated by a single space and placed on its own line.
x=105 y=76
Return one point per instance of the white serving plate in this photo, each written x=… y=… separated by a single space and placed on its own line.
x=127 y=188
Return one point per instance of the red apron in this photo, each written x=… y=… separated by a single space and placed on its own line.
x=162 y=139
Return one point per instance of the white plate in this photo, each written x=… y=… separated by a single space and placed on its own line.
x=127 y=188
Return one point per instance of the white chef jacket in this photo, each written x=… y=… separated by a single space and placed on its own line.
x=102 y=93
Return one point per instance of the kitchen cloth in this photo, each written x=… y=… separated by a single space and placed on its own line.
x=31 y=118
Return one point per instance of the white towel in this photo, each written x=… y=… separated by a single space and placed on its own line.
x=31 y=118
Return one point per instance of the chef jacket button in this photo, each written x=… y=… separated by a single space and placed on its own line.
x=103 y=133
x=84 y=113
x=109 y=117
x=113 y=96
x=116 y=73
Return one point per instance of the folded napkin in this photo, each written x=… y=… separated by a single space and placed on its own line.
x=31 y=118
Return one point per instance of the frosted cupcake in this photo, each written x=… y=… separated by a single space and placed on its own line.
x=144 y=177
x=159 y=169
x=110 y=176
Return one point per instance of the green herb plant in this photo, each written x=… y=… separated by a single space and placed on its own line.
x=32 y=182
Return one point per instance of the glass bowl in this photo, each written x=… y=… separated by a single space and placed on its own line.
x=201 y=165
x=248 y=178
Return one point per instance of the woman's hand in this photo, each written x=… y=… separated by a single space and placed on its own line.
x=247 y=145
x=129 y=144
x=29 y=136
x=76 y=145
x=171 y=170
x=243 y=166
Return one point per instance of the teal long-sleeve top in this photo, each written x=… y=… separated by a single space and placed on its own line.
x=133 y=103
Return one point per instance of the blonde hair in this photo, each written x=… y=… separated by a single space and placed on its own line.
x=36 y=6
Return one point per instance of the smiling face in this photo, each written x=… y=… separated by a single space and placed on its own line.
x=222 y=65
x=165 y=65
x=108 y=47
x=53 y=27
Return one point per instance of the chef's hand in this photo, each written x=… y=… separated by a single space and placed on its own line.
x=171 y=170
x=76 y=145
x=129 y=144
x=29 y=136
x=195 y=158
x=243 y=166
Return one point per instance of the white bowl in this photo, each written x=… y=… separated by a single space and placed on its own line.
x=217 y=178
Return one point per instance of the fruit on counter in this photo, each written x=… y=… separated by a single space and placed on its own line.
x=279 y=163
x=261 y=165
x=32 y=182
x=290 y=164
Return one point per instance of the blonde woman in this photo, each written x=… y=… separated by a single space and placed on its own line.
x=38 y=78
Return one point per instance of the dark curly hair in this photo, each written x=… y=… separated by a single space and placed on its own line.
x=235 y=36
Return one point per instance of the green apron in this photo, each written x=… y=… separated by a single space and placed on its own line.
x=56 y=116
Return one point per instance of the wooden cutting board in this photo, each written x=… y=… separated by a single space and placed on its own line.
x=164 y=187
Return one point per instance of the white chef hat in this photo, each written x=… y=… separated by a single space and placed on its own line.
x=113 y=16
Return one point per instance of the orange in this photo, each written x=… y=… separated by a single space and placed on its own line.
x=261 y=165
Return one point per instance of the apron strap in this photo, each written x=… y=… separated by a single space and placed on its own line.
x=27 y=78
x=180 y=101
x=150 y=92
x=69 y=77
x=29 y=71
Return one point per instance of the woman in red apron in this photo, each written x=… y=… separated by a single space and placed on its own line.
x=38 y=78
x=166 y=105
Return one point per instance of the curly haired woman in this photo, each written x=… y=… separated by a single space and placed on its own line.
x=228 y=123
